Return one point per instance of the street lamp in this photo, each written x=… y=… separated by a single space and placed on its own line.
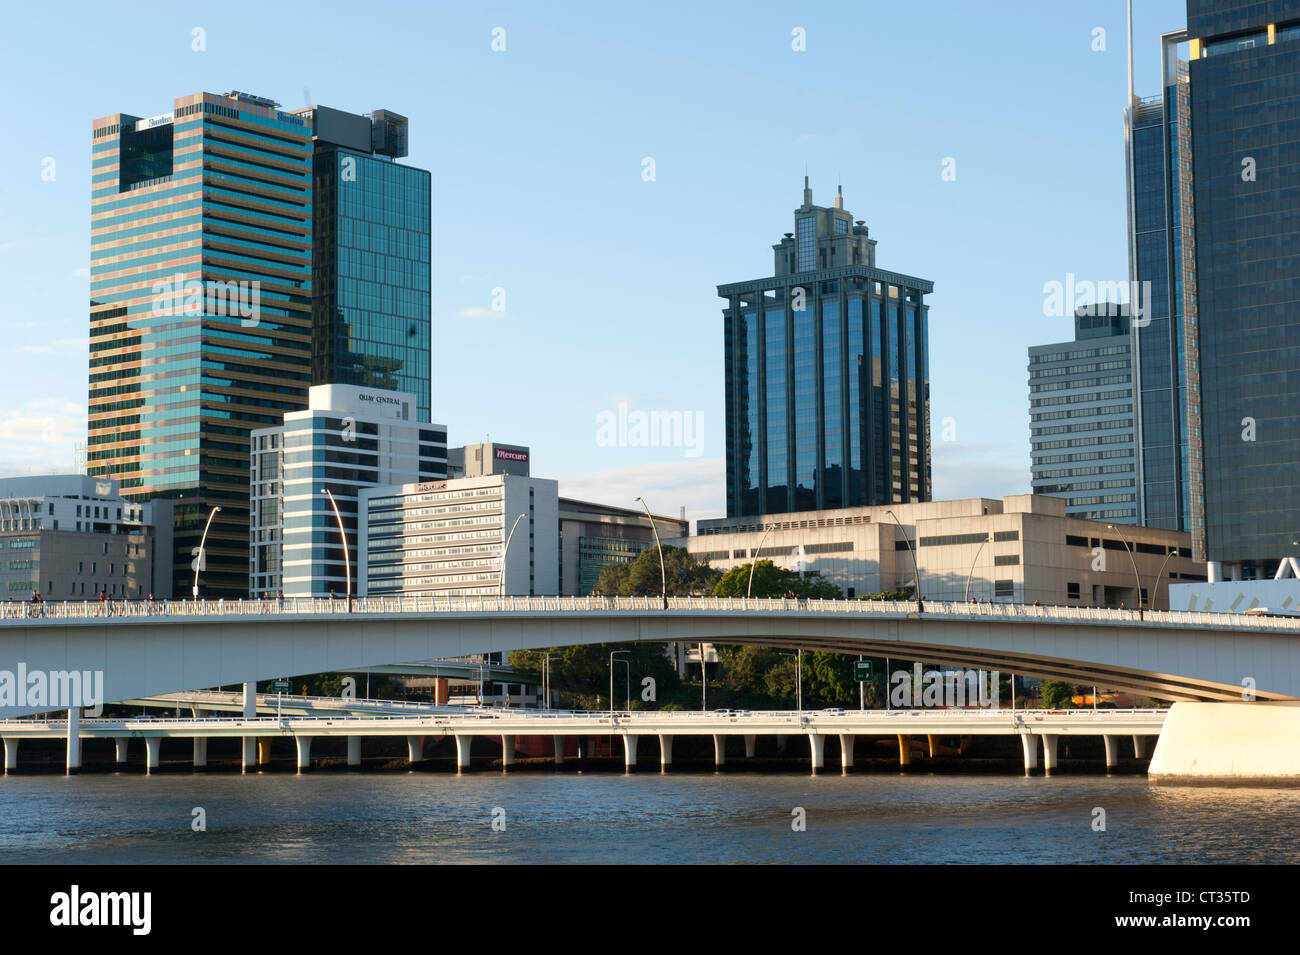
x=506 y=550
x=199 y=561
x=663 y=573
x=1136 y=578
x=347 y=561
x=1155 y=584
x=546 y=682
x=920 y=607
x=966 y=596
x=611 y=680
x=798 y=677
x=754 y=562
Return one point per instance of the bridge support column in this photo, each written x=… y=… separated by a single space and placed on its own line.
x=665 y=751
x=507 y=751
x=249 y=743
x=74 y=740
x=119 y=748
x=719 y=749
x=557 y=743
x=1029 y=743
x=629 y=751
x=751 y=745
x=1049 y=752
x=1112 y=751
x=846 y=751
x=354 y=750
x=304 y=752
x=248 y=753
x=263 y=750
x=817 y=748
x=780 y=743
x=415 y=748
x=931 y=742
x=463 y=746
x=152 y=753
x=904 y=751
x=11 y=753
x=1141 y=746
x=200 y=752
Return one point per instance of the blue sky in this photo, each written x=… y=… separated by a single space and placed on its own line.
x=609 y=279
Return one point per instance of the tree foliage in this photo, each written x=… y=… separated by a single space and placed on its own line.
x=685 y=575
x=773 y=581
x=583 y=672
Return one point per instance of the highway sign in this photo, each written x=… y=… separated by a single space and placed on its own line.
x=862 y=671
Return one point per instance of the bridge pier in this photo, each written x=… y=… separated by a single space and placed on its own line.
x=248 y=746
x=304 y=752
x=200 y=752
x=354 y=751
x=74 y=740
x=629 y=752
x=1141 y=746
x=780 y=743
x=557 y=743
x=415 y=748
x=665 y=751
x=1029 y=743
x=904 y=751
x=846 y=751
x=1112 y=751
x=751 y=745
x=817 y=748
x=930 y=745
x=119 y=749
x=152 y=753
x=719 y=749
x=11 y=753
x=1049 y=752
x=463 y=746
x=507 y=752
x=263 y=750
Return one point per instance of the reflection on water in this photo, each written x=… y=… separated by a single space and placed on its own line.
x=423 y=817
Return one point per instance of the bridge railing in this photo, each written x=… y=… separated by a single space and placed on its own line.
x=27 y=611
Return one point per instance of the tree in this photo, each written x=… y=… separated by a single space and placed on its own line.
x=773 y=581
x=1056 y=695
x=584 y=671
x=685 y=575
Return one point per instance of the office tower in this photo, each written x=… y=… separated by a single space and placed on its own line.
x=593 y=536
x=349 y=438
x=1162 y=250
x=1245 y=97
x=1081 y=412
x=475 y=460
x=200 y=310
x=827 y=374
x=370 y=255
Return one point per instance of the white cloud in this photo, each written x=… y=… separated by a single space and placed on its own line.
x=964 y=470
x=39 y=437
x=478 y=313
x=699 y=486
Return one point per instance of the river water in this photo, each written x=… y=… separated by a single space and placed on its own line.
x=570 y=817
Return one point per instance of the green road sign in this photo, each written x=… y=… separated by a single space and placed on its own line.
x=280 y=686
x=862 y=671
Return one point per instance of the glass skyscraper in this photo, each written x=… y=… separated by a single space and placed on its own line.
x=200 y=309
x=371 y=253
x=827 y=375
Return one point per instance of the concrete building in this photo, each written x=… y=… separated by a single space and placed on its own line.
x=593 y=536
x=446 y=537
x=72 y=537
x=349 y=438
x=1081 y=413
x=1020 y=549
x=476 y=460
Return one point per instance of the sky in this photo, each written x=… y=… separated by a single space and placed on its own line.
x=598 y=170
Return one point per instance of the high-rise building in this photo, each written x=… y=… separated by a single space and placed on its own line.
x=370 y=255
x=1162 y=250
x=475 y=460
x=349 y=438
x=1081 y=413
x=594 y=536
x=827 y=374
x=1245 y=96
x=200 y=309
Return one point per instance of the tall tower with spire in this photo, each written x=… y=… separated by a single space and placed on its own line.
x=827 y=374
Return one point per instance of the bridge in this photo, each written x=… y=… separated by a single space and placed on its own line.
x=631 y=727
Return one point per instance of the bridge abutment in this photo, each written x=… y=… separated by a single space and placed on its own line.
x=1232 y=743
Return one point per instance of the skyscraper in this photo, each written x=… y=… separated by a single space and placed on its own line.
x=370 y=255
x=200 y=310
x=827 y=374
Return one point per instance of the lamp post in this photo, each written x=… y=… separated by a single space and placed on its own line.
x=611 y=679
x=1136 y=579
x=347 y=561
x=505 y=551
x=546 y=682
x=966 y=596
x=663 y=573
x=203 y=542
x=916 y=570
x=798 y=677
x=1155 y=584
x=758 y=552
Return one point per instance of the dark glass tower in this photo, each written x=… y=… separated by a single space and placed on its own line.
x=1245 y=104
x=827 y=375
x=370 y=268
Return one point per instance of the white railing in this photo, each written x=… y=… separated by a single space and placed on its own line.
x=28 y=611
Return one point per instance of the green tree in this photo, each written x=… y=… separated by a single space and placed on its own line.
x=773 y=581
x=685 y=575
x=582 y=672
x=1057 y=695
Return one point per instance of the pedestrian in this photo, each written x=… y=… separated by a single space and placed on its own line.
x=151 y=607
x=279 y=598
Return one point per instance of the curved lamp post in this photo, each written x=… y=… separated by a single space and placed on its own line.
x=916 y=571
x=966 y=596
x=203 y=542
x=347 y=561
x=1155 y=584
x=663 y=573
x=1136 y=578
x=506 y=550
x=758 y=552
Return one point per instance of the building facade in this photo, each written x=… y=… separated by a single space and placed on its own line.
x=476 y=460
x=200 y=309
x=72 y=537
x=446 y=538
x=827 y=374
x=349 y=438
x=1020 y=549
x=593 y=536
x=370 y=255
x=1081 y=413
